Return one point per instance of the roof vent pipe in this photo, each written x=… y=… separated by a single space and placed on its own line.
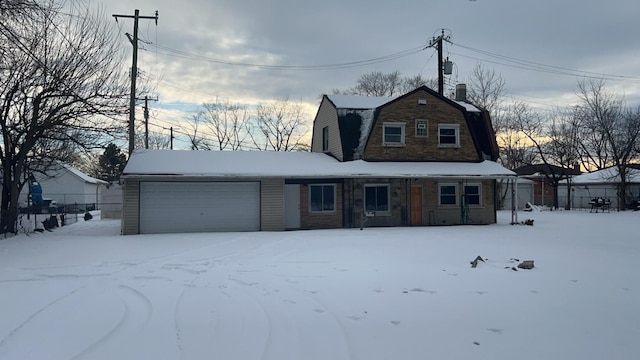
x=461 y=92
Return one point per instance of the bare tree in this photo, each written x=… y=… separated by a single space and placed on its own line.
x=61 y=86
x=535 y=127
x=515 y=148
x=413 y=82
x=219 y=126
x=377 y=83
x=486 y=89
x=617 y=129
x=279 y=126
x=17 y=8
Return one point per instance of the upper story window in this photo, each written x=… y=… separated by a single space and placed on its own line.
x=449 y=135
x=472 y=194
x=393 y=134
x=325 y=138
x=422 y=128
x=322 y=198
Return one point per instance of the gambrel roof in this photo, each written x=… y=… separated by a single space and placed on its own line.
x=358 y=114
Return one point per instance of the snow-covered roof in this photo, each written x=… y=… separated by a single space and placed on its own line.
x=84 y=177
x=242 y=164
x=373 y=102
x=359 y=102
x=467 y=106
x=608 y=176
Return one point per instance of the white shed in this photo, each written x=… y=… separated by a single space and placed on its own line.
x=69 y=186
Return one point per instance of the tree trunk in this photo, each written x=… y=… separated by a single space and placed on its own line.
x=622 y=192
x=567 y=206
x=555 y=195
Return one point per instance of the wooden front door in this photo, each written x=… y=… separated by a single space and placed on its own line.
x=416 y=205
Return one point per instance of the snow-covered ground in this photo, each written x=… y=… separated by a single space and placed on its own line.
x=85 y=292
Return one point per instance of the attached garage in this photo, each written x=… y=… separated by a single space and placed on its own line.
x=177 y=207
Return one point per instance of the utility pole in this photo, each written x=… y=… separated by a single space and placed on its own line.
x=146 y=120
x=171 y=137
x=134 y=71
x=437 y=42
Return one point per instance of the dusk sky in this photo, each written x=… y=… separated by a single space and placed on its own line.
x=203 y=50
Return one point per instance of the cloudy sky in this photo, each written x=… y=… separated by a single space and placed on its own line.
x=541 y=48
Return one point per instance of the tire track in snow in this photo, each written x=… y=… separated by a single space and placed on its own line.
x=34 y=315
x=138 y=310
x=322 y=337
x=227 y=324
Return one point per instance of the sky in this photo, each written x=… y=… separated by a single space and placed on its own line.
x=540 y=48
x=85 y=292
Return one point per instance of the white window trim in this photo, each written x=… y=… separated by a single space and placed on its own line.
x=440 y=185
x=402 y=133
x=426 y=122
x=456 y=127
x=479 y=185
x=364 y=197
x=335 y=200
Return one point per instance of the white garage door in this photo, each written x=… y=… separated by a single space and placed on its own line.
x=172 y=207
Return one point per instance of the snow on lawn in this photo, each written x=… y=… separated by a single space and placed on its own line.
x=85 y=292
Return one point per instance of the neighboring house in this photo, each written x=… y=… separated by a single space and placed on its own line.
x=69 y=186
x=543 y=177
x=418 y=159
x=601 y=184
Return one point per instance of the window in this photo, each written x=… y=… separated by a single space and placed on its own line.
x=322 y=198
x=376 y=197
x=449 y=135
x=393 y=134
x=422 y=128
x=472 y=193
x=325 y=138
x=447 y=194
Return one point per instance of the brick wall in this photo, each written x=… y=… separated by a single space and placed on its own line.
x=310 y=220
x=407 y=110
x=434 y=214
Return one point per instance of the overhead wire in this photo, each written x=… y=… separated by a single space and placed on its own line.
x=540 y=67
x=168 y=51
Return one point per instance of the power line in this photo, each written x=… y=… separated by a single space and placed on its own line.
x=540 y=67
x=196 y=57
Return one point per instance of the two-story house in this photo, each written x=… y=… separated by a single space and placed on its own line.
x=421 y=129
x=417 y=159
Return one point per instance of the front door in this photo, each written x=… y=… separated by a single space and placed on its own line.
x=416 y=205
x=292 y=206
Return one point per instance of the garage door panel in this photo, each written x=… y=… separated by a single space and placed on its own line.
x=199 y=207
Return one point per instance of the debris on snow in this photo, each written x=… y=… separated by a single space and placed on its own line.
x=474 y=263
x=527 y=264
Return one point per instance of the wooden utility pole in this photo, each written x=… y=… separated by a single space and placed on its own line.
x=134 y=71
x=146 y=120
x=437 y=42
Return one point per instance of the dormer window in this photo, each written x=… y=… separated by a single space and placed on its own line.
x=393 y=134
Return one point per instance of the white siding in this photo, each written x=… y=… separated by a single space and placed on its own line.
x=327 y=116
x=272 y=205
x=131 y=208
